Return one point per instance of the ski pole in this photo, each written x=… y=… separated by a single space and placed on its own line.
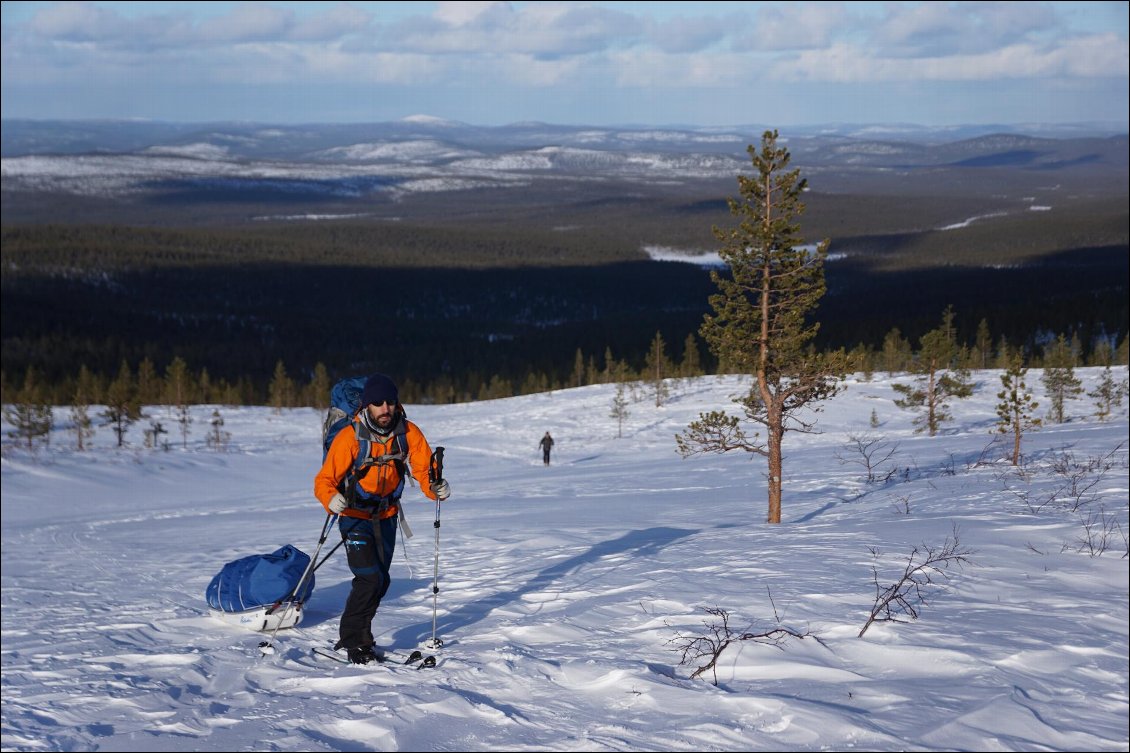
x=435 y=475
x=265 y=646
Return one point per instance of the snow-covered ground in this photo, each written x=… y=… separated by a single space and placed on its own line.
x=568 y=593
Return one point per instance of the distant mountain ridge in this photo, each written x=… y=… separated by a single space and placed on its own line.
x=20 y=137
x=423 y=154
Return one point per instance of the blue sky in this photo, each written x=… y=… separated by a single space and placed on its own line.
x=599 y=63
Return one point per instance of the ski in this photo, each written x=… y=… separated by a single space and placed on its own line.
x=415 y=659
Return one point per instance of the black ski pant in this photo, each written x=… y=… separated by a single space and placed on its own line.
x=369 y=545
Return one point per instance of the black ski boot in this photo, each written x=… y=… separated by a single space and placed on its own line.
x=365 y=654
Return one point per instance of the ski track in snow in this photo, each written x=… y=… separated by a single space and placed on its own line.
x=564 y=590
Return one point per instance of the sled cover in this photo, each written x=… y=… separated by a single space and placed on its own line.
x=260 y=579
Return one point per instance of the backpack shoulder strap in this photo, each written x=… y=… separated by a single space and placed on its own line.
x=364 y=462
x=364 y=445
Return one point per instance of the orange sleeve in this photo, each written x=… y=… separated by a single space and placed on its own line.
x=419 y=458
x=339 y=460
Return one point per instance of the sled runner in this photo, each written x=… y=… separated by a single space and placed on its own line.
x=263 y=619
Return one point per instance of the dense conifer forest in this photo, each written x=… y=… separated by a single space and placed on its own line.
x=469 y=312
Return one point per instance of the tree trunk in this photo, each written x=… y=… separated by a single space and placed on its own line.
x=775 y=430
x=931 y=402
x=1016 y=437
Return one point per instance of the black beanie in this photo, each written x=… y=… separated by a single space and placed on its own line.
x=379 y=389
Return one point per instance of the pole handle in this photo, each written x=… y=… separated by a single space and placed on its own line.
x=435 y=468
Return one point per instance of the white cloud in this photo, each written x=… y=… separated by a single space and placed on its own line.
x=75 y=22
x=592 y=48
x=463 y=13
x=1098 y=55
x=647 y=68
x=1104 y=56
x=936 y=29
x=543 y=29
x=683 y=34
x=339 y=22
x=249 y=22
x=794 y=26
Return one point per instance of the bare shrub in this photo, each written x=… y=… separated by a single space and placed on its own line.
x=925 y=572
x=871 y=452
x=1082 y=476
x=902 y=503
x=1102 y=531
x=719 y=636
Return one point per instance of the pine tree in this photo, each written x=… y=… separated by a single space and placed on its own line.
x=937 y=380
x=318 y=391
x=535 y=382
x=658 y=367
x=1103 y=353
x=1076 y=349
x=1059 y=378
x=149 y=386
x=983 y=344
x=218 y=438
x=1107 y=394
x=30 y=416
x=896 y=352
x=497 y=388
x=80 y=408
x=177 y=384
x=611 y=367
x=281 y=389
x=761 y=323
x=619 y=409
x=177 y=391
x=691 y=365
x=206 y=390
x=122 y=406
x=861 y=360
x=592 y=374
x=1016 y=409
x=577 y=378
x=1003 y=354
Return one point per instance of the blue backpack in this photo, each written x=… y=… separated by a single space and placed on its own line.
x=345 y=402
x=259 y=580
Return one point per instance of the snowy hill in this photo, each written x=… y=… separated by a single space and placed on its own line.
x=568 y=593
x=134 y=159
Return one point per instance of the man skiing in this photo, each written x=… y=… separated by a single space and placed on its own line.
x=365 y=493
x=546 y=444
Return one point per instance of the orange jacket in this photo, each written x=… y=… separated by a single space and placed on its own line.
x=382 y=479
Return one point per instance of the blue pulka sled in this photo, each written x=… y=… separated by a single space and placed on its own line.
x=261 y=592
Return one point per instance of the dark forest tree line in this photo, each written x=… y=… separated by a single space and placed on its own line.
x=294 y=386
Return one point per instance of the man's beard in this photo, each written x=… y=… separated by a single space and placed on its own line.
x=383 y=424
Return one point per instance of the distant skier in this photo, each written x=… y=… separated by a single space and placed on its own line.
x=546 y=444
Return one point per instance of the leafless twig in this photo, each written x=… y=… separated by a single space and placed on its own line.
x=1101 y=531
x=925 y=571
x=870 y=451
x=711 y=646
